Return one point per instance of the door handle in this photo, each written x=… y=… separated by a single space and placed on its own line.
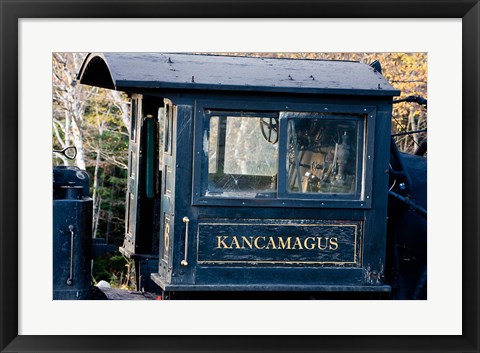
x=184 y=261
x=72 y=236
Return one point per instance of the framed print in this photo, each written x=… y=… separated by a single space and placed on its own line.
x=446 y=321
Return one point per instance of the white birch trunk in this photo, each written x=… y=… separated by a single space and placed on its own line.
x=124 y=106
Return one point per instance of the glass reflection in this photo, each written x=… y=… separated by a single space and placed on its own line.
x=322 y=155
x=241 y=162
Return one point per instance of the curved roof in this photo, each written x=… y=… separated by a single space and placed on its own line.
x=135 y=71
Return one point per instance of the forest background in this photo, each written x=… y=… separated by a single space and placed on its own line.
x=97 y=122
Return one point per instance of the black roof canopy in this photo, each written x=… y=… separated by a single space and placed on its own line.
x=135 y=71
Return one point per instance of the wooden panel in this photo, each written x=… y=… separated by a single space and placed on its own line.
x=334 y=243
x=131 y=212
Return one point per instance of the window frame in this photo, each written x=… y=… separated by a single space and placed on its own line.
x=206 y=109
x=241 y=114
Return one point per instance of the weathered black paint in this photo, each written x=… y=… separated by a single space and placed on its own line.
x=212 y=72
x=253 y=242
x=187 y=104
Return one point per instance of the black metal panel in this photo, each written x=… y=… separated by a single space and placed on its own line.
x=182 y=196
x=293 y=281
x=72 y=248
x=375 y=224
x=72 y=234
x=132 y=71
x=279 y=276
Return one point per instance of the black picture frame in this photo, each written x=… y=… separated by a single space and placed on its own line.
x=12 y=11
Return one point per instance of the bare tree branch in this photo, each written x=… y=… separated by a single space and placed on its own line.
x=113 y=160
x=56 y=125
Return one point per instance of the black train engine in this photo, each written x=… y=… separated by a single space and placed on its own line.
x=256 y=175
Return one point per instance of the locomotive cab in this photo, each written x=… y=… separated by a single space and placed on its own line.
x=254 y=174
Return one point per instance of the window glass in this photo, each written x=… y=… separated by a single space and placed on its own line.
x=133 y=122
x=241 y=161
x=130 y=214
x=213 y=145
x=133 y=161
x=167 y=140
x=322 y=155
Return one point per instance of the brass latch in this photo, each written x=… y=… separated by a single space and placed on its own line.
x=184 y=261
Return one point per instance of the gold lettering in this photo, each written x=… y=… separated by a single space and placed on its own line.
x=234 y=242
x=282 y=244
x=271 y=242
x=308 y=246
x=333 y=244
x=320 y=243
x=246 y=241
x=263 y=242
x=297 y=243
x=221 y=242
x=256 y=243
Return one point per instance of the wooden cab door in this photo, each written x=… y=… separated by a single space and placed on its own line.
x=168 y=121
x=133 y=173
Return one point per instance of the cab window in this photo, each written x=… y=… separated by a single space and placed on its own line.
x=323 y=154
x=281 y=155
x=241 y=162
